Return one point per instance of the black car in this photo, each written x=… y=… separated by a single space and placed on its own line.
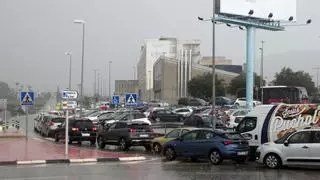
x=202 y=121
x=79 y=130
x=163 y=115
x=126 y=134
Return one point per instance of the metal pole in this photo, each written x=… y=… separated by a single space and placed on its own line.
x=110 y=79
x=27 y=114
x=67 y=133
x=82 y=66
x=95 y=82
x=178 y=80
x=70 y=69
x=98 y=88
x=149 y=87
x=261 y=70
x=249 y=70
x=213 y=67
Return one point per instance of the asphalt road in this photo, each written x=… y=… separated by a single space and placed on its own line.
x=154 y=170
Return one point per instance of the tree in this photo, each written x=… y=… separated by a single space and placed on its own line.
x=287 y=77
x=201 y=86
x=239 y=82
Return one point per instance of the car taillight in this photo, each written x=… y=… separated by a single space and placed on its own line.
x=132 y=130
x=75 y=129
x=94 y=129
x=227 y=142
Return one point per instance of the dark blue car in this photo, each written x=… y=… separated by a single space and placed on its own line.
x=206 y=143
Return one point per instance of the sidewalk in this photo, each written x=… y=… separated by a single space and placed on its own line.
x=22 y=151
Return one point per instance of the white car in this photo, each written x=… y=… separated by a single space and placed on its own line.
x=94 y=117
x=183 y=111
x=236 y=116
x=133 y=116
x=241 y=102
x=295 y=148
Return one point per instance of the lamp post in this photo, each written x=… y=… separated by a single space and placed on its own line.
x=70 y=67
x=110 y=62
x=213 y=19
x=149 y=74
x=82 y=62
x=317 y=68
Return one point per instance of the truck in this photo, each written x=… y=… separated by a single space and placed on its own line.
x=267 y=123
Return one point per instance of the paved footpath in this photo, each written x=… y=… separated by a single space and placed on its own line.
x=14 y=150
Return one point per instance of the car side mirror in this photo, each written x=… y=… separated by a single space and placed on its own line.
x=59 y=126
x=286 y=143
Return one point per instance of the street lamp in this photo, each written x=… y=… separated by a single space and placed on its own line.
x=110 y=62
x=70 y=66
x=77 y=21
x=261 y=70
x=213 y=20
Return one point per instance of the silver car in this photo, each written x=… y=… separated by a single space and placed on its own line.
x=296 y=147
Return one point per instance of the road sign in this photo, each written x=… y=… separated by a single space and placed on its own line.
x=67 y=94
x=27 y=98
x=131 y=98
x=115 y=99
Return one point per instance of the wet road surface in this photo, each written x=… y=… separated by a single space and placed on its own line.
x=154 y=169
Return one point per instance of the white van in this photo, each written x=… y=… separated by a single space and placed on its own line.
x=267 y=123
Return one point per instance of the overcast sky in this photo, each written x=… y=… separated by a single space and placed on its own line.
x=35 y=34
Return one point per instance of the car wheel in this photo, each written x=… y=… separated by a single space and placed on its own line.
x=237 y=104
x=123 y=144
x=100 y=142
x=56 y=137
x=272 y=161
x=157 y=148
x=215 y=157
x=148 y=147
x=170 y=154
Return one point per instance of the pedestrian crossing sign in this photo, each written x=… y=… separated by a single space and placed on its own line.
x=27 y=98
x=131 y=98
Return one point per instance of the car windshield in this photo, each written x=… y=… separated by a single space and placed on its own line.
x=94 y=114
x=58 y=120
x=120 y=116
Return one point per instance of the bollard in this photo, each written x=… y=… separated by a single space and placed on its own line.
x=12 y=122
x=17 y=122
x=6 y=125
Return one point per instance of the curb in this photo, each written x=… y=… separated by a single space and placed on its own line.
x=72 y=161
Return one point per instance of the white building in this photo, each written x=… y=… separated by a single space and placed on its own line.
x=150 y=52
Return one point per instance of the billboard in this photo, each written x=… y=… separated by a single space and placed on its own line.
x=281 y=9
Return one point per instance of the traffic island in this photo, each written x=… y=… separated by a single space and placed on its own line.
x=10 y=133
x=31 y=151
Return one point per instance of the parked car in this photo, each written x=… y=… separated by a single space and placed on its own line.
x=241 y=102
x=163 y=115
x=95 y=116
x=158 y=142
x=49 y=124
x=295 y=148
x=205 y=143
x=126 y=134
x=37 y=122
x=223 y=101
x=79 y=130
x=236 y=116
x=130 y=116
x=185 y=111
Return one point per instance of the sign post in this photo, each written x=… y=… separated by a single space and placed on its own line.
x=27 y=99
x=131 y=100
x=68 y=95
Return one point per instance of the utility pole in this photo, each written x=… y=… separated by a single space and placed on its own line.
x=261 y=69
x=95 y=82
x=214 y=122
x=317 y=78
x=98 y=88
x=110 y=79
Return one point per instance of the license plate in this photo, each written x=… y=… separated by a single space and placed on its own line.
x=85 y=134
x=244 y=153
x=144 y=135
